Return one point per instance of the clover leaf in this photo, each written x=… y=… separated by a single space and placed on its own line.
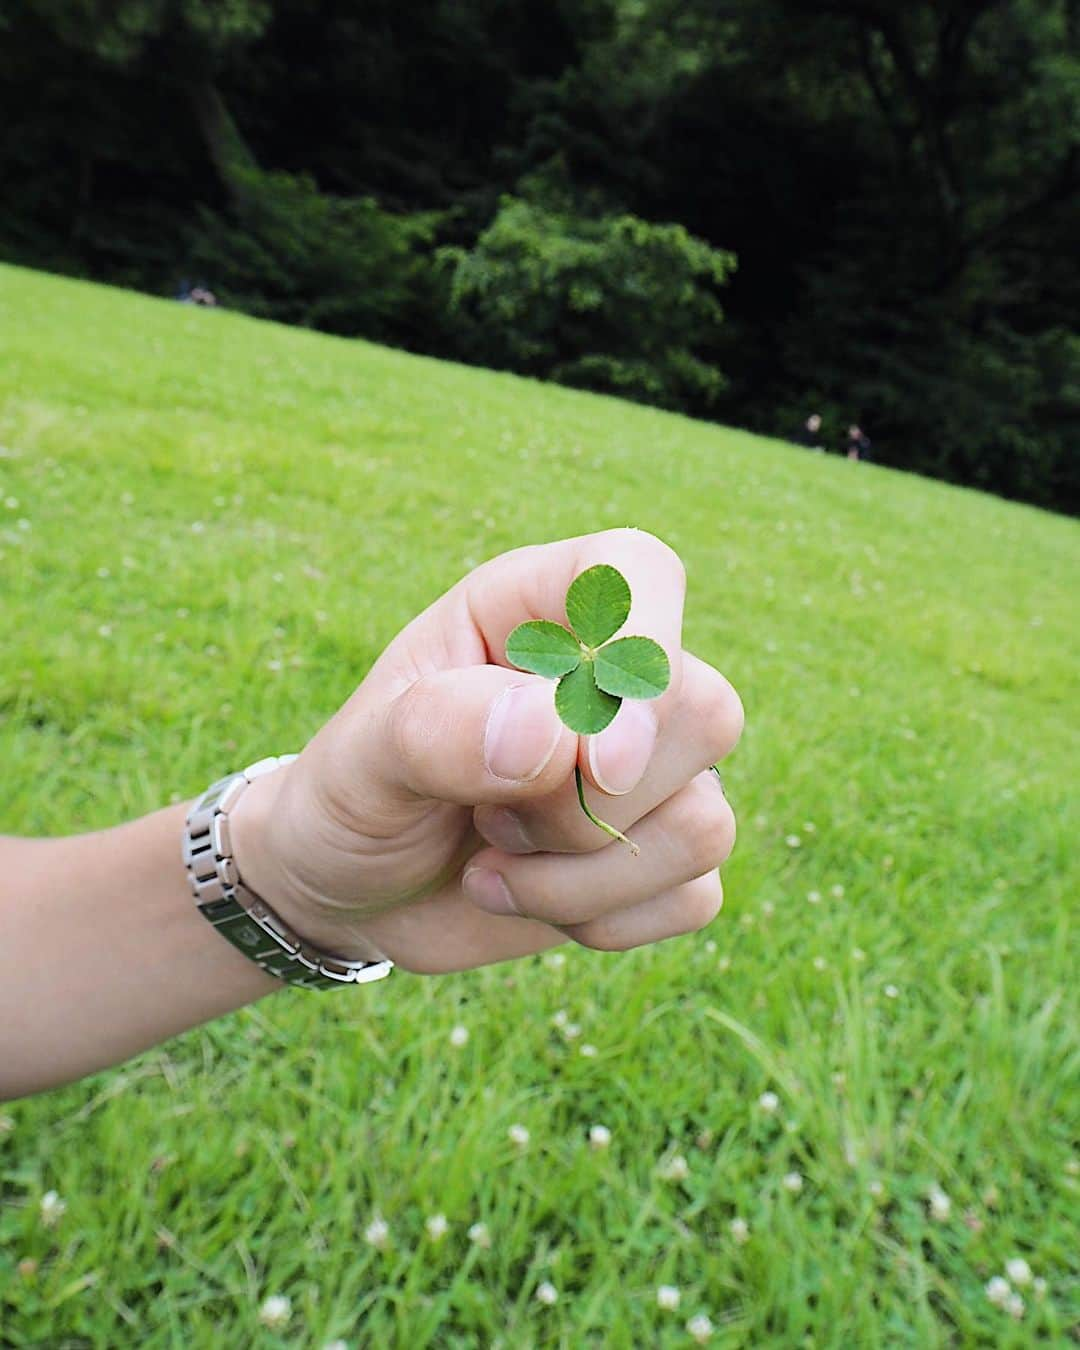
x=581 y=705
x=543 y=647
x=598 y=604
x=594 y=674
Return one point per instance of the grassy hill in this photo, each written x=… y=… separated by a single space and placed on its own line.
x=209 y=527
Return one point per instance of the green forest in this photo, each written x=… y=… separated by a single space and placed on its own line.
x=747 y=211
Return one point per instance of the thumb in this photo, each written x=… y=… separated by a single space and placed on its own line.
x=476 y=736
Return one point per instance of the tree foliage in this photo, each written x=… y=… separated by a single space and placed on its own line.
x=612 y=303
x=561 y=186
x=302 y=256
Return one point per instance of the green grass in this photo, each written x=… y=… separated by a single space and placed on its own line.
x=209 y=527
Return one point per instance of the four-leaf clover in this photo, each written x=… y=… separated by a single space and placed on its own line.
x=595 y=674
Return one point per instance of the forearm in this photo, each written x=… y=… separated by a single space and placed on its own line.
x=103 y=953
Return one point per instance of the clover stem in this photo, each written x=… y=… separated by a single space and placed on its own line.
x=601 y=824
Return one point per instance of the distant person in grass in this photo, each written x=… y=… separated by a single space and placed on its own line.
x=858 y=443
x=433 y=820
x=809 y=434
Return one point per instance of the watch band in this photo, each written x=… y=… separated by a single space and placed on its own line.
x=238 y=913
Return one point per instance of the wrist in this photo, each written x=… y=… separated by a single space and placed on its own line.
x=262 y=836
x=251 y=826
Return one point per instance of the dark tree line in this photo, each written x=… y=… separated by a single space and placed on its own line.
x=747 y=209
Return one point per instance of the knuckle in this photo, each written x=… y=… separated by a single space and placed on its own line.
x=664 y=554
x=700 y=907
x=706 y=824
x=661 y=553
x=716 y=709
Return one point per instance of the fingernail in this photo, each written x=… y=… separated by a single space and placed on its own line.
x=522 y=732
x=620 y=754
x=487 y=890
x=502 y=828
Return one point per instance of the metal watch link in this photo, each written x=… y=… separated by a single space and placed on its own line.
x=239 y=914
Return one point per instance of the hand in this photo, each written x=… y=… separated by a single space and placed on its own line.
x=435 y=818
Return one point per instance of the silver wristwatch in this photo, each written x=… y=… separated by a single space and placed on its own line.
x=241 y=916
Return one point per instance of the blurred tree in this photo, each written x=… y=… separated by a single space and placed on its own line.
x=612 y=303
x=899 y=183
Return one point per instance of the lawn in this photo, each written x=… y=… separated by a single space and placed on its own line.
x=209 y=527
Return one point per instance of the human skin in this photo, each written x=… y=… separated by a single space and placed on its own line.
x=434 y=820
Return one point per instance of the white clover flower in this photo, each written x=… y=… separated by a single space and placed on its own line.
x=723 y=964
x=547 y=1294
x=1039 y=1286
x=336 y=1345
x=667 y=1297
x=808 y=827
x=275 y=1312
x=571 y=1031
x=599 y=1136
x=997 y=1290
x=768 y=909
x=479 y=1235
x=52 y=1209
x=820 y=963
x=437 y=1227
x=857 y=954
x=837 y=892
x=377 y=1233
x=459 y=1036
x=105 y=630
x=555 y=960
x=1018 y=1271
x=739 y=1230
x=675 y=1169
x=559 y=1019
x=793 y=841
x=1015 y=1306
x=793 y=1182
x=769 y=1102
x=940 y=1204
x=813 y=897
x=589 y=1051
x=518 y=1134
x=700 y=1328
x=710 y=946
x=891 y=991
x=876 y=1189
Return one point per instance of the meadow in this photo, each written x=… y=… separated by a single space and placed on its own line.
x=832 y=1117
